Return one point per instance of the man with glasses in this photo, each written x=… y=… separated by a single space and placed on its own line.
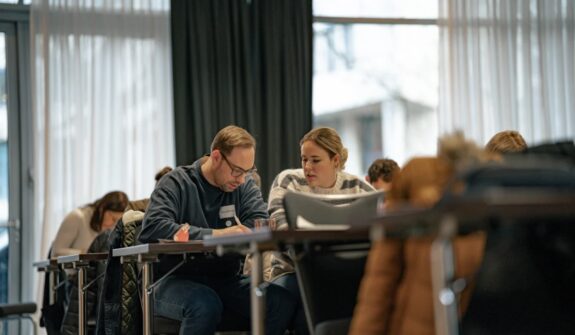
x=215 y=195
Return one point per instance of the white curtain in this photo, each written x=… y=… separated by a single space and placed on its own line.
x=508 y=64
x=102 y=103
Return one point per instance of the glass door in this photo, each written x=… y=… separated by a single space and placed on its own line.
x=17 y=247
x=4 y=230
x=10 y=181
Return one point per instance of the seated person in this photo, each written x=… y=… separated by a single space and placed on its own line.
x=507 y=141
x=209 y=197
x=323 y=158
x=395 y=296
x=381 y=172
x=81 y=226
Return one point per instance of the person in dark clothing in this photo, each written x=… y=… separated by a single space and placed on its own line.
x=216 y=195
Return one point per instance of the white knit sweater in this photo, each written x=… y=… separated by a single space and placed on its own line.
x=275 y=263
x=294 y=180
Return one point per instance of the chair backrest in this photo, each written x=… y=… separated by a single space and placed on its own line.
x=561 y=149
x=521 y=173
x=305 y=210
x=524 y=285
x=334 y=266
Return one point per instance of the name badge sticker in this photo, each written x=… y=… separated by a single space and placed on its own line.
x=227 y=211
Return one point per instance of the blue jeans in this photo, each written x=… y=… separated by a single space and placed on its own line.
x=199 y=302
x=289 y=282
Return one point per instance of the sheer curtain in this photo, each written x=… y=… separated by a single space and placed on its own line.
x=508 y=64
x=102 y=103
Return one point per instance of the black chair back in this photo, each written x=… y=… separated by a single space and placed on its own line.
x=329 y=273
x=525 y=285
x=334 y=211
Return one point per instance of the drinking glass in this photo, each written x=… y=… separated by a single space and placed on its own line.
x=269 y=223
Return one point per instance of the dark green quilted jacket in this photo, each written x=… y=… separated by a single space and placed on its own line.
x=119 y=311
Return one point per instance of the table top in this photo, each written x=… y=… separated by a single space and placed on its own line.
x=45 y=263
x=195 y=246
x=265 y=235
x=97 y=256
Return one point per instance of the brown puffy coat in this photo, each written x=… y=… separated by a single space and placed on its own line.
x=395 y=295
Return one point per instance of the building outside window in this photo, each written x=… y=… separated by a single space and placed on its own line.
x=376 y=77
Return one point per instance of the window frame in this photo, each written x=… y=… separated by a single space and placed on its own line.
x=14 y=22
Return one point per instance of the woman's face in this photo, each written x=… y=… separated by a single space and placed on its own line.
x=319 y=169
x=110 y=218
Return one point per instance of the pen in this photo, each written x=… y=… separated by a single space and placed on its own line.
x=238 y=222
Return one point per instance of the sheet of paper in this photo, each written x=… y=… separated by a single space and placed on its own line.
x=302 y=223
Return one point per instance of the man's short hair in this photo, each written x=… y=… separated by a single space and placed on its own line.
x=231 y=137
x=383 y=168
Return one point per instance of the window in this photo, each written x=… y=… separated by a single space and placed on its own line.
x=15 y=223
x=376 y=77
x=3 y=175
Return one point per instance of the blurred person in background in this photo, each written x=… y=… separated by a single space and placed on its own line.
x=81 y=226
x=381 y=172
x=507 y=141
x=395 y=295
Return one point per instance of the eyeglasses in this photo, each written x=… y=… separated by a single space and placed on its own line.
x=238 y=171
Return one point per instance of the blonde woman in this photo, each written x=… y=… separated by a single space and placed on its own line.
x=323 y=158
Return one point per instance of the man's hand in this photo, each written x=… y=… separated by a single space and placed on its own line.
x=237 y=229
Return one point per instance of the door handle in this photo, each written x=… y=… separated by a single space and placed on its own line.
x=14 y=223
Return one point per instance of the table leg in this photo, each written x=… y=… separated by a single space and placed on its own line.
x=443 y=275
x=81 y=301
x=258 y=298
x=147 y=301
x=52 y=286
